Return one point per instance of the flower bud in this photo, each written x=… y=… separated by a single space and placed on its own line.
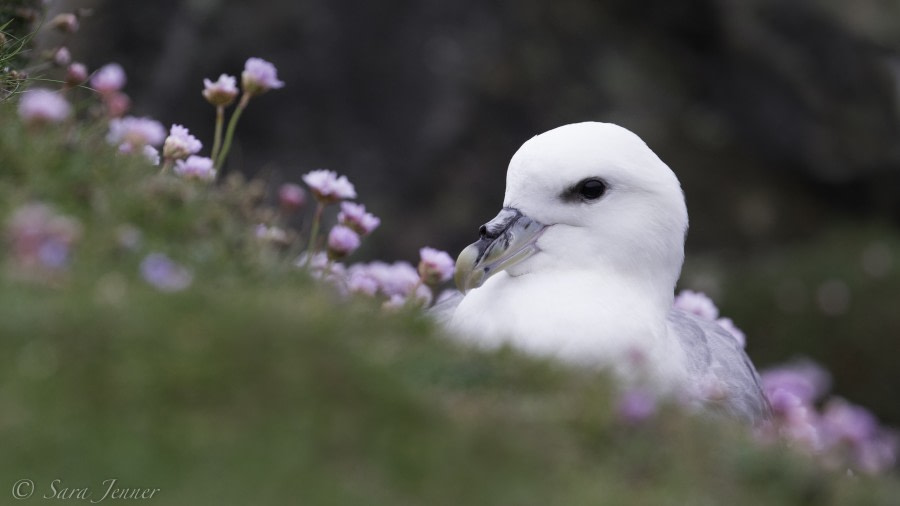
x=341 y=242
x=66 y=22
x=291 y=197
x=222 y=92
x=435 y=267
x=76 y=74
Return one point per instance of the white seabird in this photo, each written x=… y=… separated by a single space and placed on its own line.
x=581 y=264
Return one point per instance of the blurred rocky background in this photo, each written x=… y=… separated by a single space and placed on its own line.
x=780 y=118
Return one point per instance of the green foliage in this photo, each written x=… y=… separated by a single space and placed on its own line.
x=255 y=386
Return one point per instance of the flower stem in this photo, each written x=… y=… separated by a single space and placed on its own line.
x=229 y=133
x=167 y=164
x=314 y=232
x=220 y=122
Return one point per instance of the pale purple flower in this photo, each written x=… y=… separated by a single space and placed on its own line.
x=635 y=406
x=355 y=216
x=65 y=22
x=843 y=422
x=40 y=238
x=180 y=143
x=109 y=79
x=696 y=303
x=40 y=106
x=291 y=196
x=342 y=241
x=221 y=92
x=151 y=154
x=435 y=266
x=359 y=280
x=399 y=278
x=117 y=104
x=164 y=274
x=259 y=76
x=76 y=74
x=272 y=234
x=728 y=324
x=196 y=167
x=802 y=378
x=62 y=56
x=131 y=133
x=327 y=187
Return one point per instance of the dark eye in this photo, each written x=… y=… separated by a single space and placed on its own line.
x=591 y=189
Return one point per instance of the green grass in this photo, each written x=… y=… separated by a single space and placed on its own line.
x=256 y=386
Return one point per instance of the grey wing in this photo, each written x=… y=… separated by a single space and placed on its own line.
x=442 y=311
x=719 y=368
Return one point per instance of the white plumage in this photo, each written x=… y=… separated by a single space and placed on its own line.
x=591 y=280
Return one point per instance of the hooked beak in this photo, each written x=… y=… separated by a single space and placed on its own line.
x=505 y=241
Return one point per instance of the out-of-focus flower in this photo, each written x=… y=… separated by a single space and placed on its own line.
x=222 y=92
x=164 y=274
x=76 y=74
x=697 y=303
x=117 y=104
x=62 y=56
x=271 y=234
x=259 y=76
x=129 y=237
x=327 y=187
x=40 y=106
x=342 y=241
x=360 y=281
x=738 y=334
x=802 y=378
x=291 y=197
x=435 y=266
x=65 y=22
x=180 y=143
x=635 y=406
x=41 y=239
x=355 y=216
x=132 y=133
x=109 y=79
x=151 y=154
x=196 y=167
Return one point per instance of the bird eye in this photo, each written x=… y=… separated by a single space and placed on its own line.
x=591 y=189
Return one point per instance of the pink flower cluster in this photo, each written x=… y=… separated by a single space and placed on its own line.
x=180 y=143
x=40 y=106
x=131 y=134
x=699 y=304
x=327 y=187
x=164 y=274
x=259 y=76
x=197 y=168
x=40 y=238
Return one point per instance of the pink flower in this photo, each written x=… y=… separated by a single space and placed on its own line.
x=110 y=78
x=697 y=303
x=804 y=379
x=196 y=167
x=399 y=278
x=39 y=238
x=356 y=217
x=259 y=76
x=327 y=187
x=359 y=280
x=435 y=266
x=66 y=22
x=738 y=334
x=222 y=92
x=164 y=274
x=76 y=74
x=117 y=104
x=151 y=154
x=132 y=133
x=291 y=196
x=635 y=406
x=62 y=56
x=342 y=241
x=180 y=143
x=40 y=106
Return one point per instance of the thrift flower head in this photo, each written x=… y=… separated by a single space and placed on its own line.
x=66 y=22
x=327 y=187
x=804 y=379
x=62 y=56
x=359 y=280
x=40 y=238
x=271 y=234
x=180 y=143
x=39 y=106
x=221 y=92
x=76 y=74
x=291 y=196
x=164 y=274
x=196 y=167
x=435 y=266
x=259 y=76
x=697 y=303
x=117 y=104
x=342 y=241
x=152 y=154
x=110 y=78
x=399 y=278
x=356 y=217
x=635 y=406
x=132 y=133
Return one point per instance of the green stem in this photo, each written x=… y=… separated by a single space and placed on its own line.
x=167 y=164
x=229 y=133
x=314 y=233
x=220 y=122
